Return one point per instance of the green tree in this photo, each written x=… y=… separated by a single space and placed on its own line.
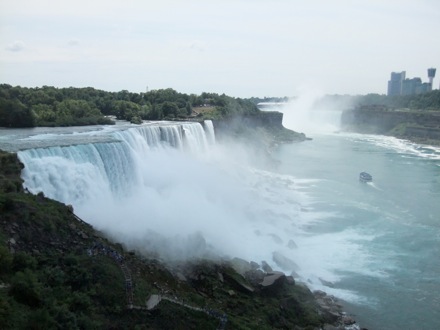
x=45 y=114
x=126 y=110
x=169 y=109
x=13 y=113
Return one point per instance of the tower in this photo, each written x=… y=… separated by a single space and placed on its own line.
x=431 y=75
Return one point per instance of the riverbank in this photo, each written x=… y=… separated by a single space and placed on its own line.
x=419 y=126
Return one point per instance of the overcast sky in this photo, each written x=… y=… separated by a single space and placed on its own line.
x=242 y=48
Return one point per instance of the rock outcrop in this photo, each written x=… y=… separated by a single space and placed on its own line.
x=267 y=125
x=417 y=125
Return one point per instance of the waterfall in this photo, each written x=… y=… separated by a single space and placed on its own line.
x=78 y=173
x=160 y=188
x=209 y=128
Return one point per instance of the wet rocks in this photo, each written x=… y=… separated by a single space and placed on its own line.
x=265 y=266
x=241 y=266
x=291 y=244
x=273 y=283
x=283 y=262
x=333 y=314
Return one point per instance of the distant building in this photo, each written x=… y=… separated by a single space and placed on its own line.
x=395 y=83
x=431 y=75
x=411 y=86
x=399 y=85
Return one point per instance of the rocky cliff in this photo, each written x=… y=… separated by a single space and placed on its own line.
x=266 y=126
x=416 y=125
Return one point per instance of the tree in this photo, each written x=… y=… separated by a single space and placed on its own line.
x=126 y=110
x=45 y=114
x=13 y=113
x=169 y=109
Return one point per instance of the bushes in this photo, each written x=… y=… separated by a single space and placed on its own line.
x=26 y=289
x=5 y=261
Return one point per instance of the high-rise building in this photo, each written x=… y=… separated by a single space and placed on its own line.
x=396 y=82
x=411 y=86
x=431 y=75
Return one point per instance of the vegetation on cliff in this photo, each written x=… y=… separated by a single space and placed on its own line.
x=57 y=272
x=424 y=101
x=422 y=126
x=50 y=106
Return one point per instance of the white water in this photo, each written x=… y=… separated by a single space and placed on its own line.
x=171 y=190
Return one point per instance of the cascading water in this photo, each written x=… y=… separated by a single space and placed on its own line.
x=75 y=173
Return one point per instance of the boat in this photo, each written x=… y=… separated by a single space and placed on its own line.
x=365 y=177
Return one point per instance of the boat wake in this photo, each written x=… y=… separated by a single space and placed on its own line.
x=373 y=185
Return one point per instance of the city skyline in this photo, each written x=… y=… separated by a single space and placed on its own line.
x=399 y=84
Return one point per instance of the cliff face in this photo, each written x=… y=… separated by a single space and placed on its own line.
x=416 y=125
x=273 y=119
x=266 y=126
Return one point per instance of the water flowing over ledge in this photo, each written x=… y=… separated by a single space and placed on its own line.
x=72 y=167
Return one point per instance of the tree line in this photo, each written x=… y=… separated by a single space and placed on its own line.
x=424 y=101
x=51 y=106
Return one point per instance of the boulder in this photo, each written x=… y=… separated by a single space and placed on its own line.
x=283 y=262
x=239 y=284
x=181 y=277
x=272 y=278
x=153 y=301
x=290 y=280
x=326 y=283
x=292 y=245
x=265 y=266
x=272 y=283
x=241 y=266
x=255 y=276
x=254 y=265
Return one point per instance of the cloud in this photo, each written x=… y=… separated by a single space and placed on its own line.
x=73 y=42
x=16 y=46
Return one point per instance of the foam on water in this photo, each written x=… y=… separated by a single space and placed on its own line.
x=404 y=147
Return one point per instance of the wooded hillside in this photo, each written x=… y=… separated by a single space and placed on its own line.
x=50 y=106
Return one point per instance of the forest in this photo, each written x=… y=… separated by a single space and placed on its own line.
x=51 y=106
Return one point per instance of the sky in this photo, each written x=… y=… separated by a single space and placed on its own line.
x=243 y=48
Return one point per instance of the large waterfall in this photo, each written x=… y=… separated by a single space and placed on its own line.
x=79 y=173
x=157 y=187
x=165 y=188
